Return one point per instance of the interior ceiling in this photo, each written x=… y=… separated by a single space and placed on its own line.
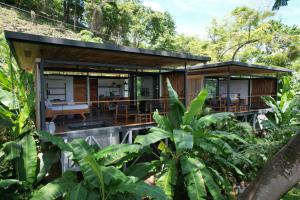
x=27 y=53
x=238 y=70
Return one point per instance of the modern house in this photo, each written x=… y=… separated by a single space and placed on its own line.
x=103 y=92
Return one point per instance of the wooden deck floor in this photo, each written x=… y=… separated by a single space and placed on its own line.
x=97 y=119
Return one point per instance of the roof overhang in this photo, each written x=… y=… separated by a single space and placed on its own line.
x=27 y=47
x=236 y=68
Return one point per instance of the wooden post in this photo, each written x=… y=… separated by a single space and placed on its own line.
x=228 y=90
x=277 y=85
x=42 y=100
x=185 y=85
x=250 y=94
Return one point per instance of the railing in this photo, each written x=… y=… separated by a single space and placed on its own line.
x=237 y=103
x=113 y=111
x=110 y=111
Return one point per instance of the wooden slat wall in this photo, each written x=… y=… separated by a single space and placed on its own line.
x=262 y=87
x=177 y=81
x=93 y=91
x=80 y=92
x=194 y=85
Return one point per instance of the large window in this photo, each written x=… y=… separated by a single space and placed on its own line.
x=211 y=85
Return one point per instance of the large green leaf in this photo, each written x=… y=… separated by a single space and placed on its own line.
x=195 y=107
x=141 y=170
x=162 y=121
x=6 y=98
x=213 y=119
x=227 y=136
x=23 y=116
x=193 y=178
x=176 y=109
x=224 y=162
x=80 y=192
x=155 y=135
x=142 y=190
x=57 y=188
x=167 y=181
x=113 y=178
x=82 y=150
x=6 y=183
x=98 y=174
x=183 y=140
x=26 y=164
x=270 y=101
x=58 y=141
x=211 y=185
x=6 y=115
x=120 y=183
x=121 y=152
x=12 y=150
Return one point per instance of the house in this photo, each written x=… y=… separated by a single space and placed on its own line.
x=107 y=91
x=237 y=87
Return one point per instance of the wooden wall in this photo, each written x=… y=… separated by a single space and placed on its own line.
x=80 y=91
x=194 y=84
x=262 y=87
x=177 y=81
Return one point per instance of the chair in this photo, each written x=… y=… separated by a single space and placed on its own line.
x=123 y=110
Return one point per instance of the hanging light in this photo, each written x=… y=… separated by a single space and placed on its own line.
x=114 y=83
x=125 y=83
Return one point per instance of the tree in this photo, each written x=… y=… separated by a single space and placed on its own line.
x=279 y=174
x=245 y=26
x=279 y=3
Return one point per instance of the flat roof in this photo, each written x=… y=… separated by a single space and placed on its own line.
x=27 y=47
x=235 y=67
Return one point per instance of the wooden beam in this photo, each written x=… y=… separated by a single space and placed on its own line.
x=42 y=88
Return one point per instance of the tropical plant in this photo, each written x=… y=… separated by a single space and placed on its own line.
x=195 y=158
x=100 y=179
x=20 y=167
x=285 y=110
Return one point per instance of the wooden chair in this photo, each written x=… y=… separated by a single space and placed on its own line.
x=123 y=110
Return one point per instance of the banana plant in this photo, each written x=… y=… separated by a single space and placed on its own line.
x=21 y=169
x=285 y=110
x=197 y=154
x=100 y=179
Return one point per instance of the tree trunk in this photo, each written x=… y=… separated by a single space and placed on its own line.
x=279 y=174
x=66 y=10
x=241 y=46
x=75 y=17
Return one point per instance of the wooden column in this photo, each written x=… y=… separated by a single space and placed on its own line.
x=185 y=84
x=228 y=90
x=277 y=84
x=42 y=95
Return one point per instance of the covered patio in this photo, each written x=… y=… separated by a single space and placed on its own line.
x=237 y=86
x=84 y=85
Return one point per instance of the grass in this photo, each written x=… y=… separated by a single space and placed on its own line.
x=13 y=20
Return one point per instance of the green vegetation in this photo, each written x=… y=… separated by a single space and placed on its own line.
x=194 y=154
x=246 y=34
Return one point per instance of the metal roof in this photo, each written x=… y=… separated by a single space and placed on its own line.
x=27 y=47
x=237 y=67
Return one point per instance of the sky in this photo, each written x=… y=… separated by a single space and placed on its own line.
x=192 y=17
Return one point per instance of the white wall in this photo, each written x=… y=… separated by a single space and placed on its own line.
x=105 y=87
x=236 y=87
x=59 y=82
